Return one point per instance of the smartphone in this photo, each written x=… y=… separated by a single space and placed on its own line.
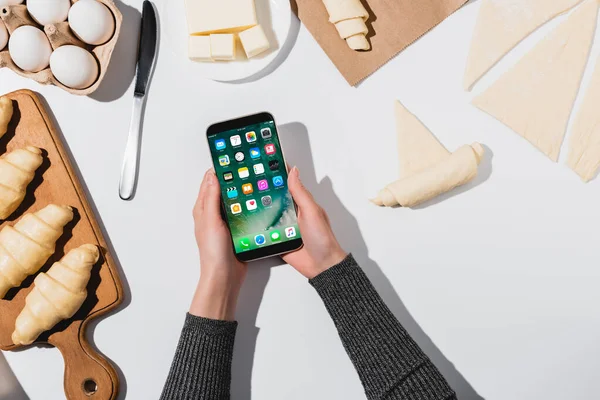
x=257 y=205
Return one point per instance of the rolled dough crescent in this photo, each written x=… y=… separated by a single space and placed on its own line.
x=535 y=98
x=6 y=112
x=456 y=170
x=358 y=42
x=427 y=168
x=351 y=27
x=340 y=10
x=501 y=25
x=584 y=152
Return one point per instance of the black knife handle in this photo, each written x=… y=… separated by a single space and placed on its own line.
x=147 y=50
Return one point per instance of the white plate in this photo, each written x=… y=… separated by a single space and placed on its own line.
x=275 y=17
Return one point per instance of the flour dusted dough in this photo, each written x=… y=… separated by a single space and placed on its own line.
x=427 y=168
x=536 y=97
x=6 y=112
x=584 y=152
x=501 y=25
x=349 y=17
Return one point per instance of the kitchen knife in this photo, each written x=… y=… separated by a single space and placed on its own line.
x=145 y=65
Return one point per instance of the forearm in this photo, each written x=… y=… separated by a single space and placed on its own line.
x=201 y=368
x=389 y=362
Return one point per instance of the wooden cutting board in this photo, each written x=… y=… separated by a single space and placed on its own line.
x=87 y=374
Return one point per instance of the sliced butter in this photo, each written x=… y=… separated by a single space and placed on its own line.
x=222 y=46
x=199 y=48
x=216 y=16
x=254 y=41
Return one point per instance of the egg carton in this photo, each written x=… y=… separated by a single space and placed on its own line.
x=59 y=34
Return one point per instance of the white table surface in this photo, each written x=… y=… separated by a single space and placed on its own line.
x=498 y=281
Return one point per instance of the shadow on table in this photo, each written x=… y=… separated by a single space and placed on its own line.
x=10 y=388
x=298 y=153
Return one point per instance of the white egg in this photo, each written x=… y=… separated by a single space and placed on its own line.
x=29 y=48
x=3 y=35
x=10 y=2
x=92 y=22
x=47 y=12
x=74 y=67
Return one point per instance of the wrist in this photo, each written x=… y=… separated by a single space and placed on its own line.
x=214 y=301
x=333 y=259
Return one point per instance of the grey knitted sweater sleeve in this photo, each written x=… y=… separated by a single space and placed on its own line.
x=391 y=366
x=201 y=369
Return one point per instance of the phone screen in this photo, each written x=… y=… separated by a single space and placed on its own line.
x=249 y=164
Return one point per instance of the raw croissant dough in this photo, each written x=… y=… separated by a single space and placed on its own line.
x=25 y=247
x=536 y=97
x=427 y=168
x=6 y=112
x=17 y=170
x=501 y=25
x=584 y=152
x=56 y=295
x=349 y=17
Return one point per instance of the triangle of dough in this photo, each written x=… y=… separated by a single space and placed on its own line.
x=417 y=147
x=584 y=146
x=535 y=98
x=501 y=25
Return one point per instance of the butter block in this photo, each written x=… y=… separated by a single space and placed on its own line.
x=254 y=41
x=199 y=48
x=222 y=46
x=219 y=16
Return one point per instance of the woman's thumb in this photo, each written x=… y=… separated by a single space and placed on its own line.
x=301 y=195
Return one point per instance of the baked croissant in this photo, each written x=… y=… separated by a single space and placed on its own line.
x=349 y=17
x=17 y=170
x=57 y=295
x=26 y=247
x=6 y=112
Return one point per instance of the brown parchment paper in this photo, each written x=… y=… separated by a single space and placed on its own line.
x=393 y=26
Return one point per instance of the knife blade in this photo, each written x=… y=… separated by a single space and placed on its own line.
x=148 y=50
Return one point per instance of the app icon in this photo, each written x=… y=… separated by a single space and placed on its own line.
x=236 y=140
x=245 y=243
x=227 y=176
x=251 y=204
x=274 y=165
x=232 y=192
x=224 y=160
x=247 y=188
x=277 y=181
x=259 y=169
x=259 y=239
x=266 y=201
x=239 y=156
x=251 y=136
x=263 y=184
x=236 y=208
x=275 y=236
x=265 y=133
x=220 y=144
x=255 y=152
x=290 y=232
x=270 y=149
x=243 y=172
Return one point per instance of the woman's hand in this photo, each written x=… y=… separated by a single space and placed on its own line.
x=321 y=249
x=222 y=274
